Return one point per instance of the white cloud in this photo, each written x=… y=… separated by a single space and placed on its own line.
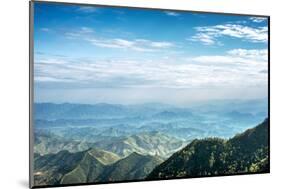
x=141 y=45
x=255 y=58
x=208 y=34
x=86 y=30
x=87 y=9
x=161 y=44
x=259 y=54
x=45 y=29
x=204 y=38
x=53 y=61
x=81 y=32
x=51 y=79
x=236 y=68
x=258 y=19
x=170 y=13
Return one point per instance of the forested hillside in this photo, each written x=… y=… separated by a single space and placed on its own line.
x=246 y=152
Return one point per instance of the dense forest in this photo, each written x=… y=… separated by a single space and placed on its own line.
x=245 y=153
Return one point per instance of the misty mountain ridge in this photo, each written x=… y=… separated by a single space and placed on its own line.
x=51 y=111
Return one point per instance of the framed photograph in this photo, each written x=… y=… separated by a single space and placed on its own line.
x=126 y=94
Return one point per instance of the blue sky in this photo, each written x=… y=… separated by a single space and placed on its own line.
x=88 y=54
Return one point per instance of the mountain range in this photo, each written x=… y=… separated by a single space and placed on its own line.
x=244 y=153
x=95 y=122
x=81 y=143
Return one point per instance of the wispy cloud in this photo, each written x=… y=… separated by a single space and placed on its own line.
x=45 y=29
x=140 y=45
x=170 y=13
x=209 y=35
x=86 y=30
x=258 y=19
x=203 y=38
x=57 y=61
x=87 y=9
x=51 y=79
x=236 y=58
x=258 y=54
x=81 y=32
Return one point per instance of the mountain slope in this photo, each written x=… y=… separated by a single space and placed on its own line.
x=50 y=168
x=46 y=143
x=71 y=167
x=89 y=166
x=147 y=143
x=134 y=166
x=246 y=152
x=90 y=169
x=93 y=165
